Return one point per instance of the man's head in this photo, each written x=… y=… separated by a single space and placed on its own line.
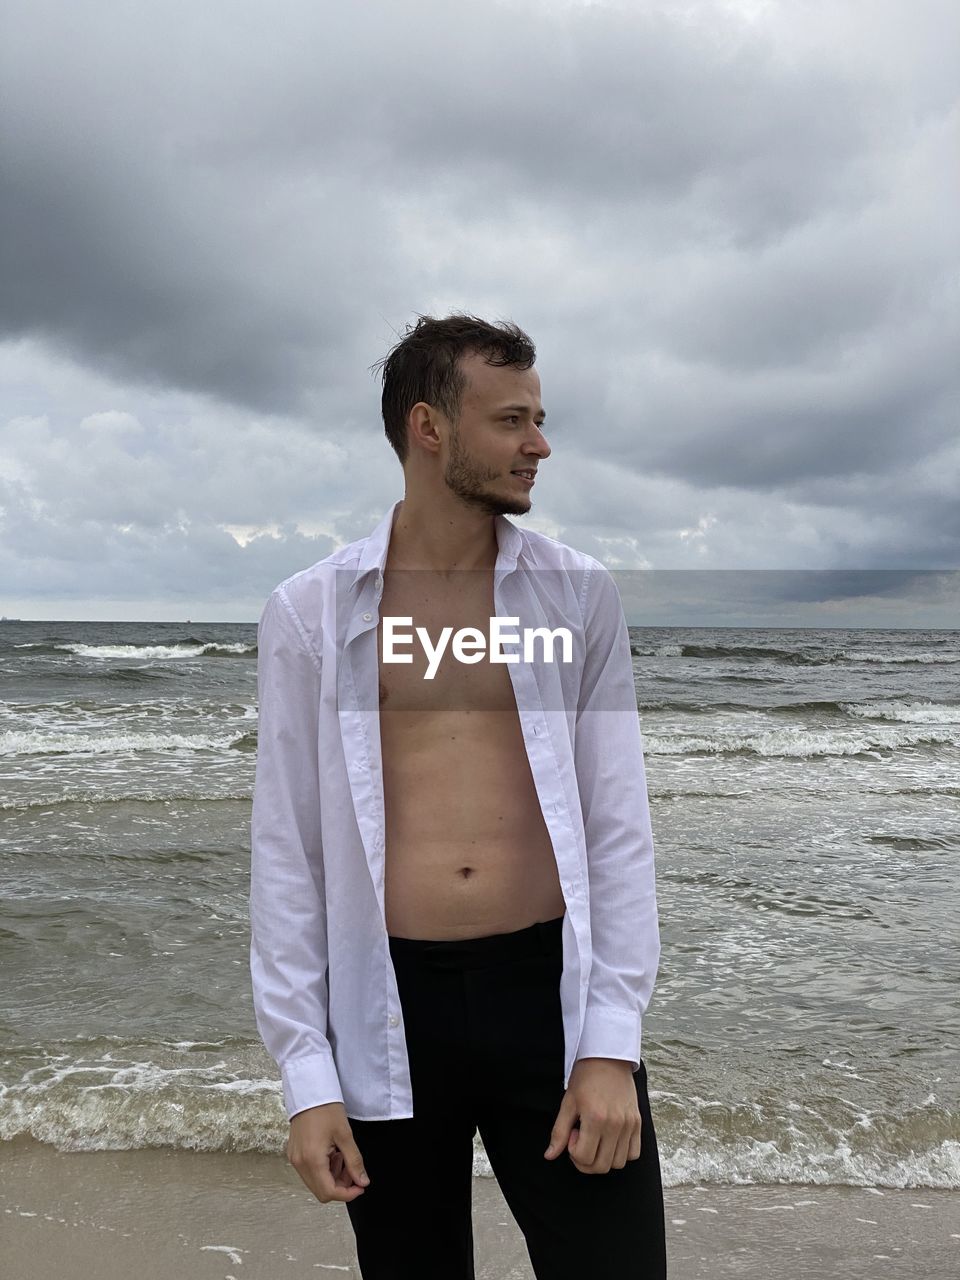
x=461 y=398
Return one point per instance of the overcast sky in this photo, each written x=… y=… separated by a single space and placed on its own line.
x=730 y=228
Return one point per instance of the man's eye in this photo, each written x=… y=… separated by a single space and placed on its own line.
x=513 y=417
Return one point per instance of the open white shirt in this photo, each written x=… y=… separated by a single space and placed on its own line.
x=324 y=987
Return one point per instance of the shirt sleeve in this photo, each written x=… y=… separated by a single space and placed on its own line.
x=288 y=926
x=612 y=784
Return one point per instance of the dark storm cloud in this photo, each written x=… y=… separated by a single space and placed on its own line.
x=819 y=586
x=202 y=195
x=731 y=239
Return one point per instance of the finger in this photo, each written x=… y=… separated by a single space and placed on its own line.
x=587 y=1143
x=353 y=1160
x=636 y=1141
x=603 y=1159
x=318 y=1177
x=321 y=1182
x=562 y=1126
x=341 y=1174
x=622 y=1151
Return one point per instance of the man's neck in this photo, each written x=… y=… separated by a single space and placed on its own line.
x=443 y=537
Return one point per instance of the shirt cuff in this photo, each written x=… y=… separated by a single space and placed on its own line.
x=310 y=1081
x=610 y=1032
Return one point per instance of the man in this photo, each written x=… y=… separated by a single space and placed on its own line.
x=453 y=909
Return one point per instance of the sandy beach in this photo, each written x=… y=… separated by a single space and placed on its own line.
x=164 y=1214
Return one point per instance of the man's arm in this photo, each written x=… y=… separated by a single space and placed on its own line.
x=288 y=927
x=620 y=857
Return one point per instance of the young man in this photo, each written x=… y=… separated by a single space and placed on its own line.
x=453 y=908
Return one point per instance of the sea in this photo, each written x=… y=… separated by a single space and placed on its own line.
x=805 y=797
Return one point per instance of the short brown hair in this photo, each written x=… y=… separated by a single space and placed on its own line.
x=424 y=366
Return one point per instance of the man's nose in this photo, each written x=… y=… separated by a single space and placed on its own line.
x=540 y=446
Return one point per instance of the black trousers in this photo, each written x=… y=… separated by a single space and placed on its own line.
x=484 y=1034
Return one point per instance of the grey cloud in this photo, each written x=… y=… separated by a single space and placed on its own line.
x=732 y=244
x=202 y=196
x=42 y=556
x=112 y=469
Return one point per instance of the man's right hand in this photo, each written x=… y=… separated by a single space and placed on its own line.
x=322 y=1150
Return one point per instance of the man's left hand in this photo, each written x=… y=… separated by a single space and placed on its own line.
x=602 y=1094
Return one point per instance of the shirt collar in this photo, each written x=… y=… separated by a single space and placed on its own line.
x=374 y=552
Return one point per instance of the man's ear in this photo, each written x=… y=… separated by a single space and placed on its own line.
x=422 y=428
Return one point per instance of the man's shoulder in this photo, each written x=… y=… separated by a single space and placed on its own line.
x=594 y=585
x=305 y=590
x=325 y=570
x=541 y=551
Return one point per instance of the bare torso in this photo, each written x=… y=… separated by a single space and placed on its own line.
x=467 y=849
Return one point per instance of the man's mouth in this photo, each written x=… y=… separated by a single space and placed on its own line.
x=528 y=476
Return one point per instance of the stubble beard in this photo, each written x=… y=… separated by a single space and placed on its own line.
x=468 y=480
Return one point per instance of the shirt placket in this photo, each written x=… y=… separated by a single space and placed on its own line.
x=360 y=730
x=544 y=767
x=541 y=756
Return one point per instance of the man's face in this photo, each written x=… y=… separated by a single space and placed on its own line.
x=498 y=434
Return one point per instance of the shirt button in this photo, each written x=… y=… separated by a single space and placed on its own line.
x=367 y=617
x=393 y=1020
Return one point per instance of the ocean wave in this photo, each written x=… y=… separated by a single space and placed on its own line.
x=925 y=659
x=801 y=743
x=202 y=1096
x=917 y=844
x=825 y=1140
x=115 y=1102
x=791 y=657
x=747 y=1162
x=67 y=798
x=33 y=742
x=907 y=712
x=153 y=652
x=185 y=649
x=912 y=791
x=695 y=791
x=714 y=651
x=903 y=710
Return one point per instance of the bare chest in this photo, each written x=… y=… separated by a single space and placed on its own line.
x=458 y=677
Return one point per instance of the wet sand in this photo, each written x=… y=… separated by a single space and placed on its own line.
x=180 y=1215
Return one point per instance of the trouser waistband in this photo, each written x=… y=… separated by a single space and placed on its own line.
x=542 y=938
